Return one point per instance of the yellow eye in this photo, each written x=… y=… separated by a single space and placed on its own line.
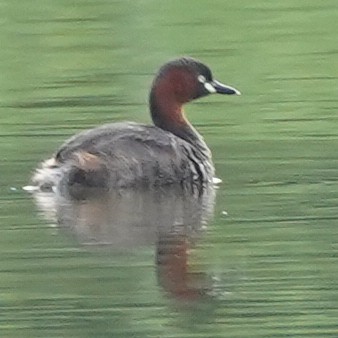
x=201 y=78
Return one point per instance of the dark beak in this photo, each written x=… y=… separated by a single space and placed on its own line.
x=224 y=89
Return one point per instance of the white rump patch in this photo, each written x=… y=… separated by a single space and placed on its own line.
x=216 y=180
x=31 y=188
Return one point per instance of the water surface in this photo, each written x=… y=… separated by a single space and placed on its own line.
x=271 y=249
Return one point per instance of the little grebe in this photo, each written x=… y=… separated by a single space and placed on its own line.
x=130 y=154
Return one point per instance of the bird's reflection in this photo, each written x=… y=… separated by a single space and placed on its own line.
x=170 y=218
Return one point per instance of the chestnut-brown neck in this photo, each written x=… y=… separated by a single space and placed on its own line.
x=166 y=107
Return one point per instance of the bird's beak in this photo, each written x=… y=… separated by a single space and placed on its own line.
x=221 y=88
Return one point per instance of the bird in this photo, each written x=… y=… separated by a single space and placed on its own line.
x=128 y=154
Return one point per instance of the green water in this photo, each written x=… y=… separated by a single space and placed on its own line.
x=69 y=65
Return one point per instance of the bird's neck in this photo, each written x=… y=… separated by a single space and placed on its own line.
x=167 y=113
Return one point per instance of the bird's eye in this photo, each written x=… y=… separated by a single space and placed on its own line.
x=201 y=79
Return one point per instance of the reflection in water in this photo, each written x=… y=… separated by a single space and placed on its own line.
x=170 y=218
